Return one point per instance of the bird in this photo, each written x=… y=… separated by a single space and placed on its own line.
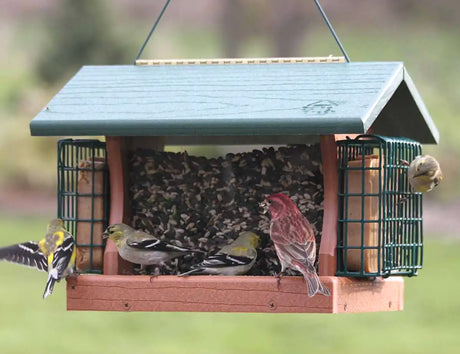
x=424 y=173
x=55 y=254
x=237 y=258
x=294 y=240
x=139 y=247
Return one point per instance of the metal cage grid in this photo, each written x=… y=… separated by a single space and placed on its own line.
x=380 y=218
x=78 y=206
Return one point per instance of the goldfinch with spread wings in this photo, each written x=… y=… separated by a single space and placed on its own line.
x=55 y=254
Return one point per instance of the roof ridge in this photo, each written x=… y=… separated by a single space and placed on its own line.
x=221 y=61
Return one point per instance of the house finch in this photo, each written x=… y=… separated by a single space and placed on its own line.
x=139 y=247
x=54 y=254
x=234 y=259
x=294 y=240
x=424 y=173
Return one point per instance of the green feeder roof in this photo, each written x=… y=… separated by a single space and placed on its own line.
x=277 y=100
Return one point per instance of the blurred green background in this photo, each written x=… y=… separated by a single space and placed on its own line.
x=44 y=42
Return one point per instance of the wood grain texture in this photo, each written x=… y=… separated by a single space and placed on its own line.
x=327 y=262
x=233 y=100
x=119 y=203
x=230 y=294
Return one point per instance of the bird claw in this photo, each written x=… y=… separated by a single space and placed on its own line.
x=74 y=274
x=144 y=270
x=403 y=200
x=404 y=162
x=278 y=277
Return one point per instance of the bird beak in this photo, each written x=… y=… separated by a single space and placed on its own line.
x=421 y=173
x=264 y=206
x=258 y=242
x=105 y=235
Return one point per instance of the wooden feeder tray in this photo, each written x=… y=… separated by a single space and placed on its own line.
x=231 y=294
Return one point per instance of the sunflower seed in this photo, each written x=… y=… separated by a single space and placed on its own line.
x=191 y=200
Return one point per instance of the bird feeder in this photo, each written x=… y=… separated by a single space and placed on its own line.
x=329 y=133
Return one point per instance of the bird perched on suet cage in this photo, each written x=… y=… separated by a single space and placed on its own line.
x=424 y=173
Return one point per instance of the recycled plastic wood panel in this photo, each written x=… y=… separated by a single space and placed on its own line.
x=327 y=262
x=230 y=294
x=327 y=258
x=119 y=205
x=291 y=99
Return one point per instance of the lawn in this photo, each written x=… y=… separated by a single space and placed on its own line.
x=429 y=323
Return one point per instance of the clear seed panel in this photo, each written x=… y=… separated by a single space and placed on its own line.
x=380 y=218
x=205 y=202
x=83 y=198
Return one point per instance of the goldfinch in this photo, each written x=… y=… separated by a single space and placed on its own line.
x=424 y=173
x=139 y=247
x=236 y=258
x=54 y=254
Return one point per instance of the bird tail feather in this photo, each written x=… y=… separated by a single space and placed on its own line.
x=196 y=270
x=52 y=277
x=314 y=285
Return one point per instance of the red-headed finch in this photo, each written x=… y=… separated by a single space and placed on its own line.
x=294 y=240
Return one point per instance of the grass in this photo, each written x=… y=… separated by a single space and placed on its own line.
x=429 y=323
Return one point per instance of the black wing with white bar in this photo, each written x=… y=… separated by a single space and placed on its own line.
x=27 y=254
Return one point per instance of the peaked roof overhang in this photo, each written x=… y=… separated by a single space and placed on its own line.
x=278 y=100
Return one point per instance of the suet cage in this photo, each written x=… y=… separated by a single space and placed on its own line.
x=83 y=198
x=380 y=217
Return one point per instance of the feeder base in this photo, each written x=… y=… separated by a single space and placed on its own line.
x=231 y=294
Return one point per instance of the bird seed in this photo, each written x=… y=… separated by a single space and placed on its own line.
x=193 y=201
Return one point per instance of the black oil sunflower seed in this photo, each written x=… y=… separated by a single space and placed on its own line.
x=193 y=201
